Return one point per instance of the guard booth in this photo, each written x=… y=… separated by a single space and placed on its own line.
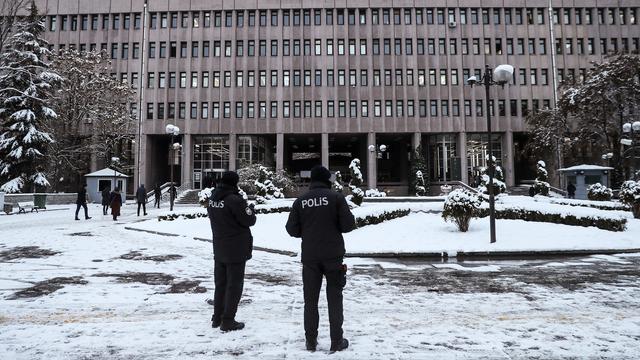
x=584 y=175
x=97 y=181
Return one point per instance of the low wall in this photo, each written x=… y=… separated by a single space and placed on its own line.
x=52 y=199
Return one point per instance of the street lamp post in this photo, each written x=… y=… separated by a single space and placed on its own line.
x=500 y=76
x=379 y=152
x=173 y=131
x=114 y=161
x=631 y=138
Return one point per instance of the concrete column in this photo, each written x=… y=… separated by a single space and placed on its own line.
x=140 y=172
x=462 y=148
x=187 y=162
x=325 y=150
x=279 y=151
x=233 y=152
x=416 y=140
x=507 y=158
x=372 y=159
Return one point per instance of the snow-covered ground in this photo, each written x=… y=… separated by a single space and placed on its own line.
x=583 y=308
x=424 y=231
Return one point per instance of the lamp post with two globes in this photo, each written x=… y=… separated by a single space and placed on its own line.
x=173 y=131
x=499 y=76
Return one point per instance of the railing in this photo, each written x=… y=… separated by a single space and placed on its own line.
x=462 y=184
x=558 y=191
x=165 y=195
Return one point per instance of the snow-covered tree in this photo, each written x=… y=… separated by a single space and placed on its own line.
x=9 y=11
x=254 y=174
x=94 y=116
x=418 y=184
x=541 y=185
x=374 y=193
x=26 y=84
x=337 y=183
x=589 y=114
x=460 y=206
x=630 y=195
x=357 y=195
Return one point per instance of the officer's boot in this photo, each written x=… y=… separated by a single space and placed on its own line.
x=340 y=345
x=311 y=344
x=231 y=325
x=215 y=321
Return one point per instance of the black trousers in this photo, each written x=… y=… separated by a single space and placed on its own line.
x=144 y=208
x=157 y=202
x=86 y=210
x=229 y=280
x=312 y=274
x=104 y=209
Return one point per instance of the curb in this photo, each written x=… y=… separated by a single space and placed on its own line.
x=258 y=248
x=152 y=232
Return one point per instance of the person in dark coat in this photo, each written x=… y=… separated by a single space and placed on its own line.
x=231 y=219
x=320 y=217
x=141 y=198
x=157 y=193
x=532 y=191
x=81 y=202
x=571 y=191
x=116 y=203
x=106 y=199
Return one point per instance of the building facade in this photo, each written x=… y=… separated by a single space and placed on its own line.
x=294 y=83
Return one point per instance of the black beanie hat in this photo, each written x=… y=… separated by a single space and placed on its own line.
x=230 y=178
x=321 y=174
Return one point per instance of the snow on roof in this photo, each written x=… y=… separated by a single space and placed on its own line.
x=585 y=167
x=106 y=173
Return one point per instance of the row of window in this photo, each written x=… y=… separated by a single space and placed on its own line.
x=339 y=77
x=353 y=108
x=429 y=46
x=307 y=17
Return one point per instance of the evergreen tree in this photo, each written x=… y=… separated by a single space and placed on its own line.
x=357 y=195
x=337 y=184
x=540 y=185
x=25 y=86
x=418 y=164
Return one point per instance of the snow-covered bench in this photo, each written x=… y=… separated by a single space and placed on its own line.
x=26 y=205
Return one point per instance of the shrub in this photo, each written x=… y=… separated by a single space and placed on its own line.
x=540 y=185
x=499 y=185
x=630 y=195
x=259 y=180
x=356 y=181
x=375 y=193
x=460 y=206
x=599 y=192
x=337 y=183
x=417 y=184
x=420 y=186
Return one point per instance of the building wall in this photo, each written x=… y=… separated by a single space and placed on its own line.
x=443 y=94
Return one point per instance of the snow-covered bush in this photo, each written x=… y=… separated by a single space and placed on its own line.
x=357 y=195
x=599 y=192
x=421 y=189
x=386 y=215
x=374 y=193
x=203 y=196
x=337 y=183
x=541 y=185
x=499 y=186
x=260 y=181
x=460 y=206
x=630 y=195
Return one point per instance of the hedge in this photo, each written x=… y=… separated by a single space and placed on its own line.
x=620 y=207
x=384 y=216
x=360 y=221
x=619 y=224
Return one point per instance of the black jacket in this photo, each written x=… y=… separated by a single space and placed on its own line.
x=82 y=197
x=141 y=194
x=106 y=197
x=320 y=217
x=230 y=218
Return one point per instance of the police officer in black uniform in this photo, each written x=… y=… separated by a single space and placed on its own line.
x=230 y=218
x=320 y=217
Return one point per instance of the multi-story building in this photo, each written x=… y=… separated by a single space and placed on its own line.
x=294 y=83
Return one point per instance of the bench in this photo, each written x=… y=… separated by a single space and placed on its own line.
x=26 y=205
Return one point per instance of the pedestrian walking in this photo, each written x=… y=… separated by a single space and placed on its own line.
x=106 y=199
x=157 y=193
x=320 y=217
x=231 y=219
x=81 y=202
x=141 y=197
x=571 y=191
x=116 y=203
